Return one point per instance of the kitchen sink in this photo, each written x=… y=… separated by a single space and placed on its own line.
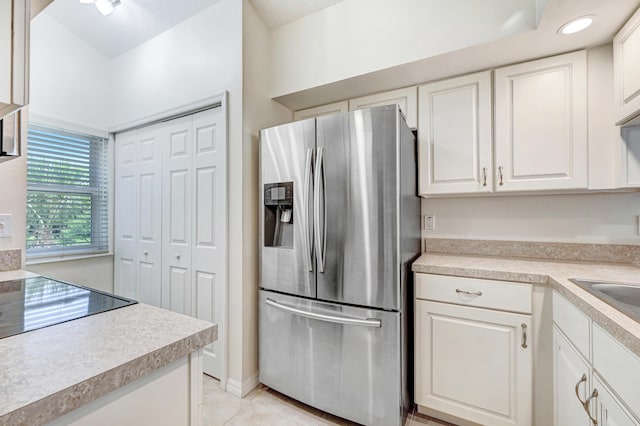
x=623 y=296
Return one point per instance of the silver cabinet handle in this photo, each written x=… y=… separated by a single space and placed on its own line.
x=484 y=176
x=501 y=176
x=594 y=394
x=585 y=404
x=177 y=256
x=146 y=253
x=308 y=258
x=469 y=293
x=365 y=322
x=524 y=335
x=321 y=236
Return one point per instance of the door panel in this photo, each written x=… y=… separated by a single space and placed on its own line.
x=284 y=155
x=208 y=307
x=209 y=219
x=149 y=238
x=471 y=363
x=176 y=229
x=126 y=212
x=352 y=371
x=359 y=184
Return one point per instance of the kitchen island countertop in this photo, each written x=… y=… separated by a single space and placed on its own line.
x=49 y=372
x=552 y=273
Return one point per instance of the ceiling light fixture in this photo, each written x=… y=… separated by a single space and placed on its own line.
x=104 y=6
x=576 y=25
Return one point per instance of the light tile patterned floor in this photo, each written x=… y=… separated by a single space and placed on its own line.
x=264 y=406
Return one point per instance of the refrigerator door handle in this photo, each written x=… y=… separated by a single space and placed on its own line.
x=365 y=322
x=308 y=232
x=321 y=247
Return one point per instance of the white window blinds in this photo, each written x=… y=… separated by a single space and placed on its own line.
x=67 y=193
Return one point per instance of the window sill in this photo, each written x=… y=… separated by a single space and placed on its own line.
x=53 y=259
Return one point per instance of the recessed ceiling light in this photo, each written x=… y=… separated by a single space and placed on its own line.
x=104 y=6
x=576 y=25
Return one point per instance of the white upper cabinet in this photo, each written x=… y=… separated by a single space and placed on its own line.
x=541 y=124
x=14 y=55
x=406 y=98
x=626 y=59
x=319 y=111
x=454 y=136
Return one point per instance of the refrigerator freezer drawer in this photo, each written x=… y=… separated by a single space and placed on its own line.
x=341 y=359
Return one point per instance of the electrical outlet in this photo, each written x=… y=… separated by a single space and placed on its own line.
x=5 y=225
x=429 y=222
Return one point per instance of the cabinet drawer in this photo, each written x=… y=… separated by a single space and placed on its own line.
x=501 y=295
x=573 y=323
x=618 y=366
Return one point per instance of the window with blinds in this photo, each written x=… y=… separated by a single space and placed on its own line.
x=67 y=194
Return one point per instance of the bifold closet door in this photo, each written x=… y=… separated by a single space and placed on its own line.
x=138 y=216
x=194 y=221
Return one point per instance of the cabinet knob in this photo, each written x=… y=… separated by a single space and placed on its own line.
x=177 y=256
x=146 y=253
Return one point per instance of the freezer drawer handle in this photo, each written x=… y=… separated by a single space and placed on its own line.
x=366 y=322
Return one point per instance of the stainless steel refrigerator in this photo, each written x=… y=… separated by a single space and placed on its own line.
x=339 y=226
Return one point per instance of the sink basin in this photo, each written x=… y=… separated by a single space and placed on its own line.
x=623 y=296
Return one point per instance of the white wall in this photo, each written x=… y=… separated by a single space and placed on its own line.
x=584 y=218
x=356 y=37
x=259 y=111
x=199 y=58
x=70 y=81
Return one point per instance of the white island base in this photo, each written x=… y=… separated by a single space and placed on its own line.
x=171 y=396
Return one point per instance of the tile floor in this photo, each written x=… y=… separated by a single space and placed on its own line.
x=264 y=406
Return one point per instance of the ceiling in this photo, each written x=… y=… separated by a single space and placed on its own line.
x=279 y=12
x=131 y=24
x=136 y=21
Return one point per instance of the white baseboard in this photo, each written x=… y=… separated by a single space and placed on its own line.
x=241 y=389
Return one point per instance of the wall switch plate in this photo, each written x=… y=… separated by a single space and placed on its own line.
x=429 y=222
x=5 y=225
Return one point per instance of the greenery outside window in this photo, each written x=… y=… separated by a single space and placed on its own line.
x=67 y=194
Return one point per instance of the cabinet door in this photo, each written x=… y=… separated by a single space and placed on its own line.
x=541 y=124
x=610 y=412
x=454 y=136
x=405 y=98
x=473 y=363
x=626 y=62
x=14 y=55
x=570 y=371
x=319 y=111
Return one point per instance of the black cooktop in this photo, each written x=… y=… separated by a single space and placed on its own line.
x=32 y=303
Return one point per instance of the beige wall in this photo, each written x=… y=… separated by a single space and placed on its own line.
x=95 y=272
x=259 y=111
x=580 y=218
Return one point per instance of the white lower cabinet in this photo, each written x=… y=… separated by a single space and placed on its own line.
x=610 y=411
x=572 y=380
x=599 y=391
x=472 y=363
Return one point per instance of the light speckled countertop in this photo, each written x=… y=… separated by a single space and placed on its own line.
x=49 y=372
x=553 y=273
